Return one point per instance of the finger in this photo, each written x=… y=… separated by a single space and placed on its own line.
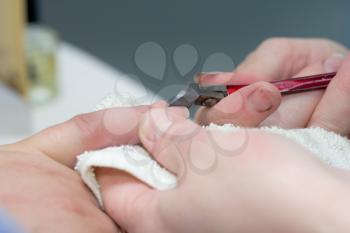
x=63 y=142
x=127 y=200
x=227 y=78
x=164 y=134
x=332 y=113
x=333 y=63
x=248 y=106
x=295 y=110
x=131 y=203
x=275 y=59
x=290 y=114
x=185 y=148
x=281 y=58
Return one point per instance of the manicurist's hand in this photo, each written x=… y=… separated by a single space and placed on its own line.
x=229 y=181
x=38 y=184
x=276 y=59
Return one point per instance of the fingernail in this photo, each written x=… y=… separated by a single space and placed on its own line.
x=213 y=77
x=147 y=133
x=159 y=104
x=261 y=100
x=198 y=76
x=175 y=113
x=333 y=63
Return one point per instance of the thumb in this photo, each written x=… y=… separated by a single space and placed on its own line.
x=248 y=106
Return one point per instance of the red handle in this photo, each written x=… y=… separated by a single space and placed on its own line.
x=294 y=85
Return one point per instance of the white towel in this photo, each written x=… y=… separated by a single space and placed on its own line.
x=328 y=146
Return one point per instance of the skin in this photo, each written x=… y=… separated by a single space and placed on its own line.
x=166 y=151
x=45 y=196
x=38 y=184
x=43 y=193
x=246 y=190
x=282 y=58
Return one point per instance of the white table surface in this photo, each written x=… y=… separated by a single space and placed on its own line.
x=83 y=82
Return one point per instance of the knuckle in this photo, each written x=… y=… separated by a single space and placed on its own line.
x=276 y=42
x=330 y=42
x=334 y=45
x=343 y=83
x=325 y=123
x=84 y=124
x=280 y=49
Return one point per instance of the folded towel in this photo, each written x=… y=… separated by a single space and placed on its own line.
x=131 y=159
x=328 y=146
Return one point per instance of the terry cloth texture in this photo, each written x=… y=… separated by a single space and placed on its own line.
x=327 y=146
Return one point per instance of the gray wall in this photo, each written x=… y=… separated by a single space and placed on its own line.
x=113 y=29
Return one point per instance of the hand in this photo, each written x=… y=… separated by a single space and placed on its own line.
x=276 y=59
x=227 y=183
x=38 y=185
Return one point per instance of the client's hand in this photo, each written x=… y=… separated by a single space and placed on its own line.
x=39 y=187
x=282 y=58
x=242 y=181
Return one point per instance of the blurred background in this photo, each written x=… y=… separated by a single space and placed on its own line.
x=75 y=50
x=112 y=30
